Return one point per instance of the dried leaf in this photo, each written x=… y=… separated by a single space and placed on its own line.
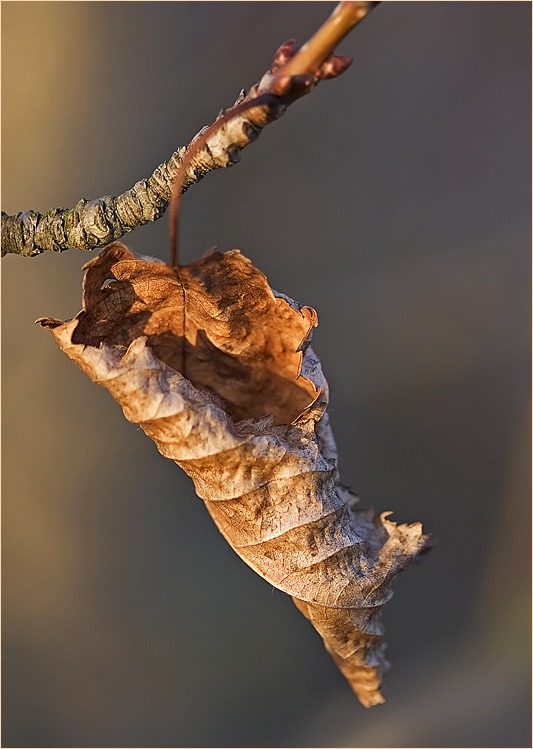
x=217 y=370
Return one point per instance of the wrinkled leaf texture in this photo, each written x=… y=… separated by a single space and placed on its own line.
x=217 y=369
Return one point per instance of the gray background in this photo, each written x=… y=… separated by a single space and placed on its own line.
x=396 y=201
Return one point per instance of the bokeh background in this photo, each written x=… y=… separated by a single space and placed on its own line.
x=396 y=201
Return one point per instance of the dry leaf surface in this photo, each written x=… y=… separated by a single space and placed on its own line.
x=216 y=368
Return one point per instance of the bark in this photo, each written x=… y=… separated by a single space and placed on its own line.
x=95 y=223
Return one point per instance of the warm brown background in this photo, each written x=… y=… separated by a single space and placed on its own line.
x=396 y=201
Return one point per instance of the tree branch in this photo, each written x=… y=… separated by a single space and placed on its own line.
x=95 y=223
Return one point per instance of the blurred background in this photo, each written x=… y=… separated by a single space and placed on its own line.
x=396 y=201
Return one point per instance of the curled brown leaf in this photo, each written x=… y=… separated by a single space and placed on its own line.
x=217 y=369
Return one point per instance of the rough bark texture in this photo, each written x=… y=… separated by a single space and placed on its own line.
x=96 y=223
x=248 y=424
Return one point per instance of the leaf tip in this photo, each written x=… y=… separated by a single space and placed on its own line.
x=48 y=323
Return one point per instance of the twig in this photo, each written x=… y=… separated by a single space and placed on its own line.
x=95 y=223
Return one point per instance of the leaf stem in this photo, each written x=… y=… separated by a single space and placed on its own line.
x=194 y=148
